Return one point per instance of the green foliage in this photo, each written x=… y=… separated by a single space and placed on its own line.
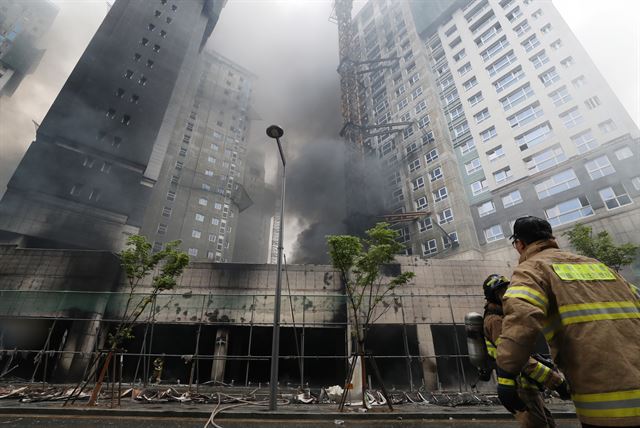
x=138 y=262
x=601 y=247
x=359 y=262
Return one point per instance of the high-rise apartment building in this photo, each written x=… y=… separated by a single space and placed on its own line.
x=510 y=118
x=22 y=26
x=86 y=179
x=201 y=191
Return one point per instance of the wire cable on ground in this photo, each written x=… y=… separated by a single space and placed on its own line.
x=241 y=402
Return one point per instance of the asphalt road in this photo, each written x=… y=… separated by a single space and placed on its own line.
x=114 y=422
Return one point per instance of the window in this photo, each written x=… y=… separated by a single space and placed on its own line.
x=399 y=90
x=217 y=205
x=557 y=183
x=537 y=14
x=530 y=43
x=429 y=247
x=435 y=174
x=636 y=182
x=614 y=197
x=468 y=147
x=397 y=196
x=478 y=187
x=522 y=28
x=425 y=224
x=183 y=151
x=427 y=137
x=461 y=129
x=163 y=34
x=156 y=48
x=545 y=159
x=451 y=97
x=456 y=113
x=171 y=195
x=452 y=237
x=486 y=208
x=534 y=136
x=584 y=141
x=516 y=97
x=457 y=57
x=488 y=35
x=509 y=79
x=525 y=115
x=208 y=173
x=440 y=194
x=144 y=41
x=501 y=63
x=162 y=229
x=579 y=82
x=495 y=153
x=416 y=93
x=556 y=45
x=473 y=166
x=572 y=117
x=431 y=156
x=511 y=199
x=215 y=221
x=200 y=218
x=546 y=29
x=193 y=252
x=422 y=105
x=567 y=62
x=445 y=216
x=203 y=201
x=179 y=164
x=464 y=69
x=414 y=165
x=607 y=126
x=75 y=189
x=599 y=167
x=175 y=179
x=488 y=134
x=502 y=175
x=549 y=77
x=206 y=187
x=470 y=83
x=421 y=203
x=402 y=104
x=411 y=147
x=514 y=14
x=568 y=211
x=196 y=234
x=424 y=121
x=592 y=102
x=413 y=79
x=560 y=96
x=111 y=113
x=623 y=153
x=539 y=60
x=494 y=233
x=407 y=132
x=418 y=183
x=475 y=99
x=482 y=115
x=142 y=81
x=494 y=49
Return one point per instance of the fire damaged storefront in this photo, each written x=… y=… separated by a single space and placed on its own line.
x=58 y=307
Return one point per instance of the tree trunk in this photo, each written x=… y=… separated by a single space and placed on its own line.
x=363 y=370
x=98 y=386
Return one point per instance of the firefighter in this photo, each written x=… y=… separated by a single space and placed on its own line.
x=535 y=375
x=589 y=315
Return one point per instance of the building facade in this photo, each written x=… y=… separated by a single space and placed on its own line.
x=86 y=179
x=201 y=189
x=520 y=122
x=22 y=26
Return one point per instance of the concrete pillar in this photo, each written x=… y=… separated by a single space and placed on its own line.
x=427 y=352
x=221 y=349
x=78 y=349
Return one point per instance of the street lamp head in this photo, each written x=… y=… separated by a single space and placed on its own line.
x=274 y=131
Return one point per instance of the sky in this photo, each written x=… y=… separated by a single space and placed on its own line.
x=293 y=49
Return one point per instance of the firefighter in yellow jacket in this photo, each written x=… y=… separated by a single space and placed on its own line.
x=589 y=315
x=534 y=375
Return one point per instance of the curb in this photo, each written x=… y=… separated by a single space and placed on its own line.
x=263 y=415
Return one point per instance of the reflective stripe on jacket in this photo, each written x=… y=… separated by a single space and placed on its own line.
x=591 y=318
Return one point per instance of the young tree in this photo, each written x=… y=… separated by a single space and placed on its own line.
x=138 y=261
x=601 y=247
x=359 y=262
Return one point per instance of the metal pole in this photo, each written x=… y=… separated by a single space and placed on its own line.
x=275 y=343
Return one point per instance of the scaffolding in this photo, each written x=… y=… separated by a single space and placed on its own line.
x=184 y=331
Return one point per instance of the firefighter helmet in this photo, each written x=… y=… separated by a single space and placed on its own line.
x=492 y=285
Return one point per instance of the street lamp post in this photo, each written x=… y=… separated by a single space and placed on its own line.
x=276 y=132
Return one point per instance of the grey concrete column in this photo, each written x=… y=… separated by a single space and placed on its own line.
x=78 y=349
x=220 y=355
x=427 y=352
